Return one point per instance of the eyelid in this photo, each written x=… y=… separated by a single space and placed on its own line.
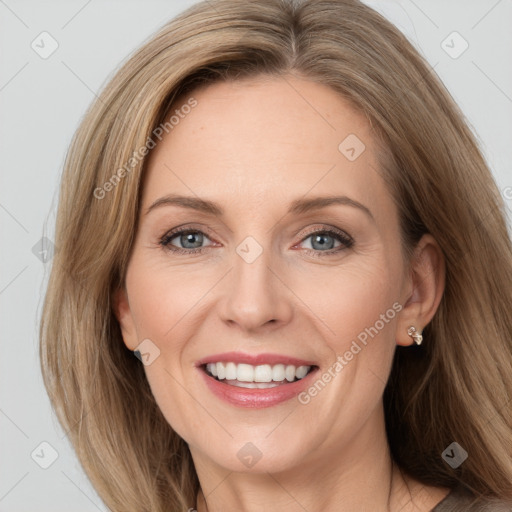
x=324 y=228
x=185 y=228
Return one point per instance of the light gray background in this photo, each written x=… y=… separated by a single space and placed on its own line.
x=42 y=101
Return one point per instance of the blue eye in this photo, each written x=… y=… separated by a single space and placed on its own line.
x=326 y=239
x=190 y=239
x=322 y=243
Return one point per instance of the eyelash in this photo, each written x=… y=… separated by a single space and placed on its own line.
x=346 y=241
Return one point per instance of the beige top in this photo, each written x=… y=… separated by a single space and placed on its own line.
x=461 y=500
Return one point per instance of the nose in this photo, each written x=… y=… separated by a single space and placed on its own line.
x=255 y=295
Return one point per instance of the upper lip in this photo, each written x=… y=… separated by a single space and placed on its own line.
x=253 y=359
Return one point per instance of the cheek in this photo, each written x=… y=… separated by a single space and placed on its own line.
x=174 y=400
x=161 y=300
x=161 y=297
x=359 y=310
x=166 y=303
x=351 y=298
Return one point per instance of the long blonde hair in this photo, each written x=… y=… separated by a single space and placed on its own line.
x=456 y=387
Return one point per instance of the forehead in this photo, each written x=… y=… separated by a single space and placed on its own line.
x=260 y=141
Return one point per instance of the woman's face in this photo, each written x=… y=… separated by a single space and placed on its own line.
x=267 y=281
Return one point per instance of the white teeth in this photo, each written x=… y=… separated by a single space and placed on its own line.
x=212 y=368
x=264 y=373
x=221 y=371
x=278 y=372
x=231 y=371
x=301 y=372
x=244 y=373
x=290 y=373
x=253 y=385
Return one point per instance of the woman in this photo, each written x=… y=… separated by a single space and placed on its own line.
x=338 y=334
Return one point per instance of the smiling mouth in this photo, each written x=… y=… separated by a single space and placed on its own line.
x=256 y=377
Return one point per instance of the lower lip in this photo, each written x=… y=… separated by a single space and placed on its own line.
x=256 y=398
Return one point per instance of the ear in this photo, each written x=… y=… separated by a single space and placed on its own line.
x=424 y=288
x=125 y=318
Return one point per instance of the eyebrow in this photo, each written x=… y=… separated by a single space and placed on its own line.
x=297 y=207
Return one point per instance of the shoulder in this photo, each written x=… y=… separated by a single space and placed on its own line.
x=461 y=499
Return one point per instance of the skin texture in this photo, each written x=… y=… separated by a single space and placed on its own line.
x=254 y=146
